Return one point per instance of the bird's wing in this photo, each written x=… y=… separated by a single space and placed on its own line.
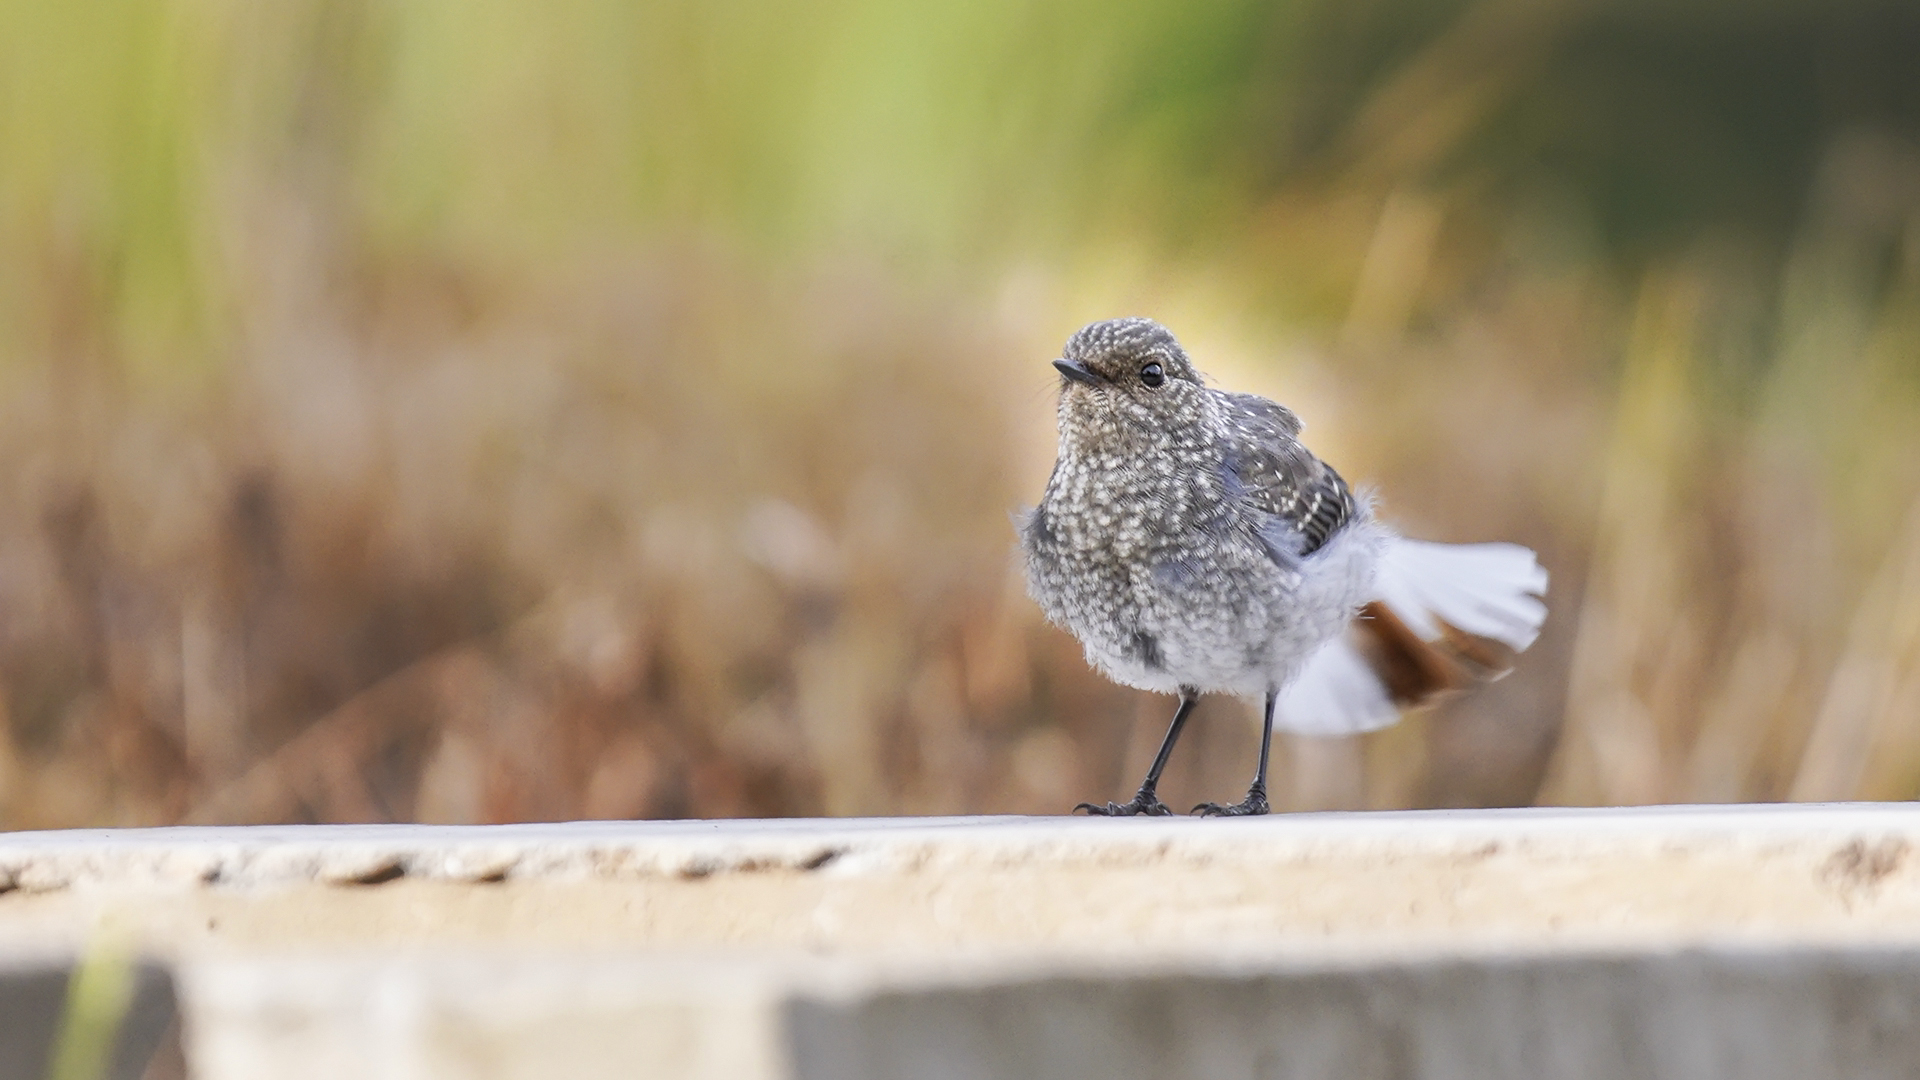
x=1299 y=499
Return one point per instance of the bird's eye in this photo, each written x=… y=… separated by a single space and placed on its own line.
x=1152 y=375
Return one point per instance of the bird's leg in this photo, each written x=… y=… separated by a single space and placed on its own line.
x=1256 y=800
x=1145 y=801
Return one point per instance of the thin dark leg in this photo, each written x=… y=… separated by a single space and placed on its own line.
x=1144 y=800
x=1266 y=744
x=1188 y=700
x=1256 y=800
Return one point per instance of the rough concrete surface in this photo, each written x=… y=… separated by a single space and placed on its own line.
x=971 y=884
x=845 y=948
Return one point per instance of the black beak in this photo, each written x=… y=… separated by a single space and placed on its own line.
x=1077 y=371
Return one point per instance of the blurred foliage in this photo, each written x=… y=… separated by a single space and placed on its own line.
x=99 y=993
x=487 y=411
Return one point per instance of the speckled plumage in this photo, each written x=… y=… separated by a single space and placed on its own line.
x=1194 y=545
x=1187 y=537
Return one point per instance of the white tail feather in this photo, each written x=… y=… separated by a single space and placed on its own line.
x=1336 y=693
x=1487 y=590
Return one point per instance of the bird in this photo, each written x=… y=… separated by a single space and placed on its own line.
x=1194 y=545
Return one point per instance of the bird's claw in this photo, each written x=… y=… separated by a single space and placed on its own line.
x=1144 y=803
x=1253 y=805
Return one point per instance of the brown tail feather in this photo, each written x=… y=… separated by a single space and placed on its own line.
x=1414 y=670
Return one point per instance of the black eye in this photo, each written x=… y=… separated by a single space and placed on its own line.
x=1152 y=375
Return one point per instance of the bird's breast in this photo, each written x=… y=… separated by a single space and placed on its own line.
x=1134 y=512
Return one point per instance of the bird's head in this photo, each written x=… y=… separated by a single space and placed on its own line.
x=1124 y=378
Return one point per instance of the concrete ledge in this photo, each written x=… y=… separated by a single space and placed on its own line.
x=1655 y=876
x=1009 y=946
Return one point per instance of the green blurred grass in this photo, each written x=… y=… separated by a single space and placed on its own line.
x=98 y=995
x=489 y=411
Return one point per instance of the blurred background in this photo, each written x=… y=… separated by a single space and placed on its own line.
x=475 y=410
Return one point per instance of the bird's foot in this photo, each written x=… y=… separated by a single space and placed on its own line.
x=1145 y=802
x=1255 y=803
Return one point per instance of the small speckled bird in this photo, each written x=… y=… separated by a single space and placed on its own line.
x=1195 y=546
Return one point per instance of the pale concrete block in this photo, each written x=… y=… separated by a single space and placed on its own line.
x=1403 y=945
x=479 y=1018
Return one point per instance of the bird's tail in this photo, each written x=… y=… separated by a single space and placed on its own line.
x=1444 y=616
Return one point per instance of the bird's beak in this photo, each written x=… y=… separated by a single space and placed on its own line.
x=1077 y=372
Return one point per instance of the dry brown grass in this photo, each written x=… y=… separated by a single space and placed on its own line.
x=408 y=417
